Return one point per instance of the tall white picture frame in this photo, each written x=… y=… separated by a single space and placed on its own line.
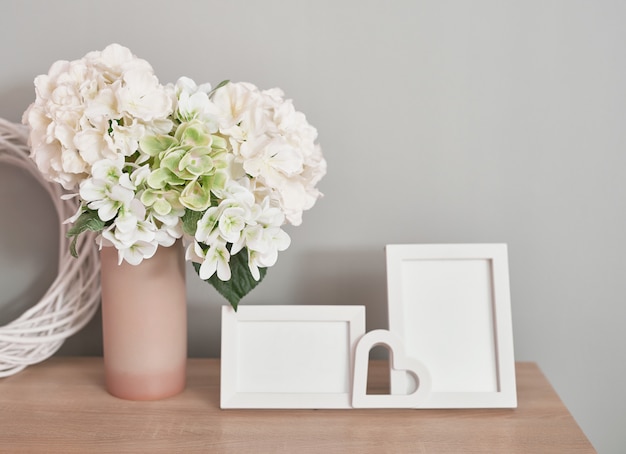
x=289 y=356
x=450 y=306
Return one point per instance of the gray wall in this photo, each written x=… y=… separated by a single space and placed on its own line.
x=442 y=121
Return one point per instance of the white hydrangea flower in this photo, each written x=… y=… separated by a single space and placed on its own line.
x=94 y=144
x=134 y=254
x=274 y=144
x=263 y=238
x=142 y=156
x=132 y=234
x=275 y=240
x=213 y=260
x=194 y=103
x=235 y=102
x=92 y=109
x=169 y=227
x=242 y=222
x=131 y=225
x=108 y=190
x=231 y=223
x=141 y=97
x=114 y=60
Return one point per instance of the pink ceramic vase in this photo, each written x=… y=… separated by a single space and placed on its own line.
x=144 y=323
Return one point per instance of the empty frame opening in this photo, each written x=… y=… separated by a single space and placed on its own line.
x=448 y=317
x=293 y=357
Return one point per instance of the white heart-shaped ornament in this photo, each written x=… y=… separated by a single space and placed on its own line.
x=399 y=362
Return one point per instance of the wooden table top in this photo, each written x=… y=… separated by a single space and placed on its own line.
x=60 y=406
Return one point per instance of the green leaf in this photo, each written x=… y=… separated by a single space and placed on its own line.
x=190 y=221
x=241 y=282
x=220 y=85
x=87 y=221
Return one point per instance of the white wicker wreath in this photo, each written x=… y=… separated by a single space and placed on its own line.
x=74 y=296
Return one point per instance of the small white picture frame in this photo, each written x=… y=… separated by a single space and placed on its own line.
x=289 y=356
x=450 y=306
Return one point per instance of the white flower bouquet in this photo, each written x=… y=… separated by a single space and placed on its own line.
x=223 y=169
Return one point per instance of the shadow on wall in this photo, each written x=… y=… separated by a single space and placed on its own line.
x=346 y=277
x=29 y=242
x=87 y=342
x=29 y=239
x=322 y=277
x=15 y=101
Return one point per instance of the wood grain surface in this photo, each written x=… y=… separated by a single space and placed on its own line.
x=60 y=406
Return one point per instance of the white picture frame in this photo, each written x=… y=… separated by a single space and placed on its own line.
x=289 y=356
x=450 y=306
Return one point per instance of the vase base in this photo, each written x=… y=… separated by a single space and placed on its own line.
x=153 y=386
